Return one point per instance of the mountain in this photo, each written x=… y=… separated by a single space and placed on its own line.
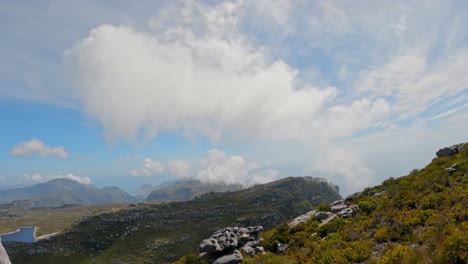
x=64 y=191
x=164 y=231
x=418 y=218
x=187 y=190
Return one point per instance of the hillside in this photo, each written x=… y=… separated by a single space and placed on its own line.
x=64 y=191
x=418 y=218
x=187 y=190
x=160 y=233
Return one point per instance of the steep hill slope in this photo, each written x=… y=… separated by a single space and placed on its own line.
x=65 y=191
x=418 y=218
x=160 y=233
x=187 y=190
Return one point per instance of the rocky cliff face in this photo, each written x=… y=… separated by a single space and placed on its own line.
x=187 y=190
x=3 y=255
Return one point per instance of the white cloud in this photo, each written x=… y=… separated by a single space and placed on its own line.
x=148 y=167
x=343 y=165
x=204 y=79
x=45 y=178
x=34 y=146
x=200 y=76
x=414 y=85
x=219 y=168
x=179 y=168
x=2 y=179
x=222 y=72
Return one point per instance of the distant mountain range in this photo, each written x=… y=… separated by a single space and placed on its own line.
x=164 y=231
x=187 y=190
x=64 y=191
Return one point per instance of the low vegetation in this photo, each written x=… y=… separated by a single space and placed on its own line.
x=161 y=233
x=418 y=218
x=50 y=220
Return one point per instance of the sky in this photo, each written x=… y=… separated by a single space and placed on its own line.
x=123 y=93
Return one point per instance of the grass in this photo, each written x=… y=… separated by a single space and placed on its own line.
x=51 y=220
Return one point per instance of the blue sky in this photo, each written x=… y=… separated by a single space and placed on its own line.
x=118 y=93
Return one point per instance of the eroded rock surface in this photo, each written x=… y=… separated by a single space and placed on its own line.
x=224 y=245
x=449 y=151
x=338 y=209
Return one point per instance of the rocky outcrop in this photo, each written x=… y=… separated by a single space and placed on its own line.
x=338 y=209
x=450 y=151
x=224 y=245
x=4 y=259
x=452 y=168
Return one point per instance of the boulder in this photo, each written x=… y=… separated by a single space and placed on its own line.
x=452 y=168
x=352 y=196
x=345 y=213
x=337 y=202
x=445 y=152
x=224 y=245
x=210 y=245
x=281 y=247
x=338 y=207
x=4 y=259
x=323 y=215
x=232 y=257
x=449 y=151
x=302 y=218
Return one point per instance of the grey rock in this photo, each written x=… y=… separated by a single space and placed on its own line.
x=233 y=257
x=323 y=215
x=452 y=168
x=4 y=259
x=337 y=208
x=260 y=250
x=345 y=213
x=302 y=218
x=204 y=256
x=445 y=152
x=210 y=245
x=248 y=250
x=352 y=196
x=326 y=221
x=255 y=229
x=280 y=248
x=337 y=202
x=223 y=246
x=449 y=151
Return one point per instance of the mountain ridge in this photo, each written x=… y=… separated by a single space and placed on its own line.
x=163 y=232
x=58 y=192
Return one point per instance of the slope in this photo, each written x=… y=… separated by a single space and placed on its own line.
x=187 y=190
x=418 y=218
x=160 y=233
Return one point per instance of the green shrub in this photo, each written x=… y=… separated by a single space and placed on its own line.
x=454 y=250
x=398 y=255
x=323 y=207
